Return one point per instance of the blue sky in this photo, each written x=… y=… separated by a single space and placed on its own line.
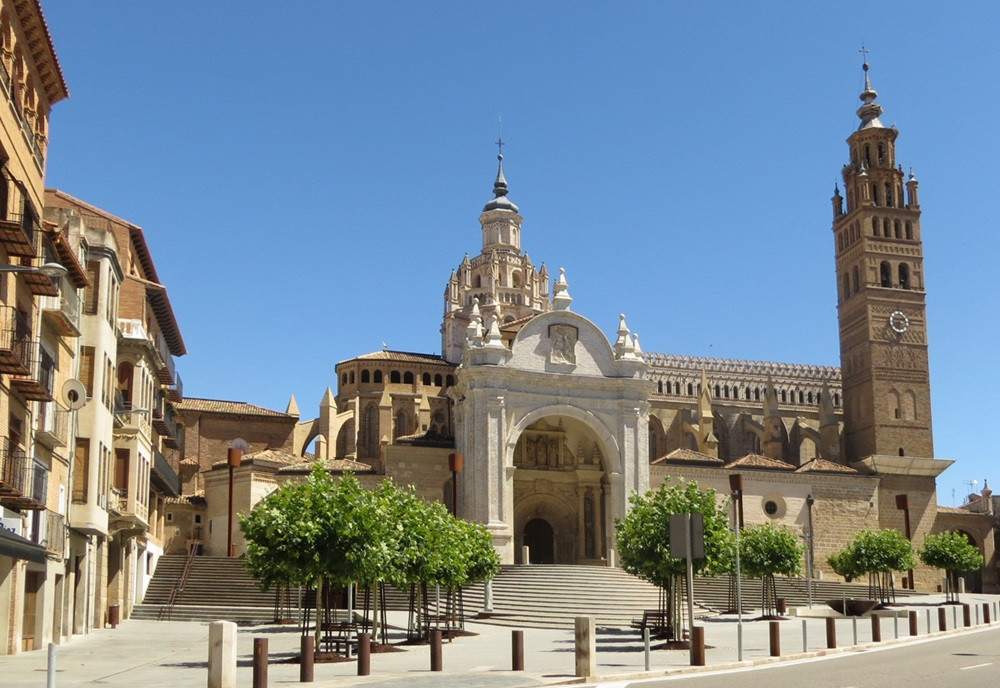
x=308 y=173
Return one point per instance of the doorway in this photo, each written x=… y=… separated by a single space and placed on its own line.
x=540 y=541
x=32 y=586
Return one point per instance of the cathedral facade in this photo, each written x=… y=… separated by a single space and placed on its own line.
x=558 y=425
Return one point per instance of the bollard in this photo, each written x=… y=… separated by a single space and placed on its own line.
x=612 y=559
x=913 y=622
x=831 y=633
x=928 y=620
x=586 y=646
x=854 y=628
x=306 y=659
x=954 y=616
x=436 y=650
x=222 y=654
x=488 y=597
x=698 y=645
x=966 y=615
x=942 y=620
x=517 y=650
x=876 y=629
x=364 y=654
x=774 y=633
x=986 y=612
x=50 y=680
x=645 y=646
x=805 y=637
x=525 y=555
x=895 y=626
x=260 y=663
x=977 y=614
x=114 y=615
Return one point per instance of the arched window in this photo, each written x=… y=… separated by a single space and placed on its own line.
x=802 y=398
x=378 y=377
x=408 y=378
x=659 y=387
x=690 y=390
x=868 y=156
x=901 y=452
x=725 y=391
x=394 y=376
x=515 y=279
x=836 y=400
x=881 y=153
x=747 y=395
x=437 y=380
x=449 y=381
x=718 y=391
x=894 y=408
x=343 y=378
x=401 y=428
x=909 y=405
x=365 y=376
x=886 y=232
x=885 y=273
x=426 y=379
x=677 y=388
x=875 y=226
x=888 y=195
x=904 y=276
x=369 y=432
x=352 y=377
x=855 y=277
x=810 y=397
x=756 y=394
x=477 y=282
x=125 y=376
x=896 y=229
x=847 y=286
x=783 y=397
x=874 y=194
x=909 y=230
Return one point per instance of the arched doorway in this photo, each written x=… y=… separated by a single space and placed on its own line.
x=540 y=541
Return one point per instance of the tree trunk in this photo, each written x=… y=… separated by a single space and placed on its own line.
x=319 y=611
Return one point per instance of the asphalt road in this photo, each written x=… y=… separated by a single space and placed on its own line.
x=969 y=660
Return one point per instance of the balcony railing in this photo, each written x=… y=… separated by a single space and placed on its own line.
x=55 y=533
x=63 y=311
x=164 y=475
x=52 y=425
x=13 y=470
x=165 y=372
x=175 y=392
x=17 y=232
x=15 y=342
x=135 y=330
x=37 y=385
x=164 y=422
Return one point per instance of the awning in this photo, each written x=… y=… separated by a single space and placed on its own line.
x=12 y=545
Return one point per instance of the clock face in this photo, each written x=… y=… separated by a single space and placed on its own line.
x=899 y=322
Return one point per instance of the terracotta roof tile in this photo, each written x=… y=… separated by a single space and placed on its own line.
x=688 y=456
x=331 y=464
x=957 y=510
x=400 y=357
x=824 y=466
x=759 y=461
x=240 y=408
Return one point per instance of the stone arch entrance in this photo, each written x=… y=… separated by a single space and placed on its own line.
x=539 y=538
x=560 y=486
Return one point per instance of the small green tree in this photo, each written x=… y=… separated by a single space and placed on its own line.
x=877 y=553
x=766 y=551
x=644 y=540
x=953 y=553
x=843 y=564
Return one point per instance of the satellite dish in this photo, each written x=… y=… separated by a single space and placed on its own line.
x=74 y=394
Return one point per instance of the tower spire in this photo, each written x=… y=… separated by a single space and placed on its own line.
x=500 y=200
x=870 y=111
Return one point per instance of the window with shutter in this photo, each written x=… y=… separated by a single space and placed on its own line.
x=121 y=469
x=87 y=369
x=91 y=292
x=81 y=469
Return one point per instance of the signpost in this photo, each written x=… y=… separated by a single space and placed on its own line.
x=687 y=541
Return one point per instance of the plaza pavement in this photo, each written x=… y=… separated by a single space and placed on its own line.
x=157 y=654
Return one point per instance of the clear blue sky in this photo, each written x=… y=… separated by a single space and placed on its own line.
x=308 y=173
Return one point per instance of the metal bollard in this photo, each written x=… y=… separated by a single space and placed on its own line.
x=436 y=650
x=895 y=626
x=854 y=628
x=942 y=620
x=364 y=654
x=928 y=620
x=805 y=637
x=645 y=646
x=698 y=645
x=50 y=680
x=831 y=633
x=517 y=650
x=913 y=622
x=260 y=663
x=966 y=615
x=306 y=659
x=876 y=629
x=774 y=635
x=954 y=616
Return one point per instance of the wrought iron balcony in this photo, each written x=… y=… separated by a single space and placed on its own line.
x=13 y=471
x=52 y=425
x=55 y=534
x=164 y=422
x=134 y=330
x=15 y=342
x=165 y=477
x=37 y=385
x=17 y=231
x=175 y=392
x=127 y=414
x=34 y=487
x=39 y=283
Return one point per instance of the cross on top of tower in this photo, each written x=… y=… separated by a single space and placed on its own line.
x=864 y=55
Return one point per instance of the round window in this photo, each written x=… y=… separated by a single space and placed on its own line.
x=771 y=507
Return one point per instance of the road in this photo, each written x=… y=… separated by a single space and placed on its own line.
x=969 y=660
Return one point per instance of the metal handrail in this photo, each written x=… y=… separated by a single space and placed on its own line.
x=178 y=588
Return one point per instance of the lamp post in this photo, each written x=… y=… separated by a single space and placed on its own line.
x=54 y=270
x=235 y=458
x=903 y=504
x=736 y=485
x=455 y=466
x=809 y=560
x=738 y=494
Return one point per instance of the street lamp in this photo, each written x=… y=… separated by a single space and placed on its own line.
x=736 y=485
x=53 y=270
x=809 y=560
x=455 y=465
x=738 y=494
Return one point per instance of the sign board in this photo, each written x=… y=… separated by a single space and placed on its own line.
x=679 y=540
x=11 y=521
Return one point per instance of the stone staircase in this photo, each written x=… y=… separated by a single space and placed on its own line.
x=537 y=596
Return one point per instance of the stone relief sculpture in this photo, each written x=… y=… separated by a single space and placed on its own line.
x=563 y=344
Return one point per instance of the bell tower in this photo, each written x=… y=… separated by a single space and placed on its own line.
x=881 y=297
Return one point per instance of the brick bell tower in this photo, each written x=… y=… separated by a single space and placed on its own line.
x=881 y=297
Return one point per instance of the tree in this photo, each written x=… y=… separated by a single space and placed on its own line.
x=766 y=551
x=877 y=553
x=644 y=540
x=953 y=553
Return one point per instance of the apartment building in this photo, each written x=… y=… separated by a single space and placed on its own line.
x=38 y=341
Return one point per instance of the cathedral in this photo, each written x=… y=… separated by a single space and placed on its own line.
x=557 y=426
